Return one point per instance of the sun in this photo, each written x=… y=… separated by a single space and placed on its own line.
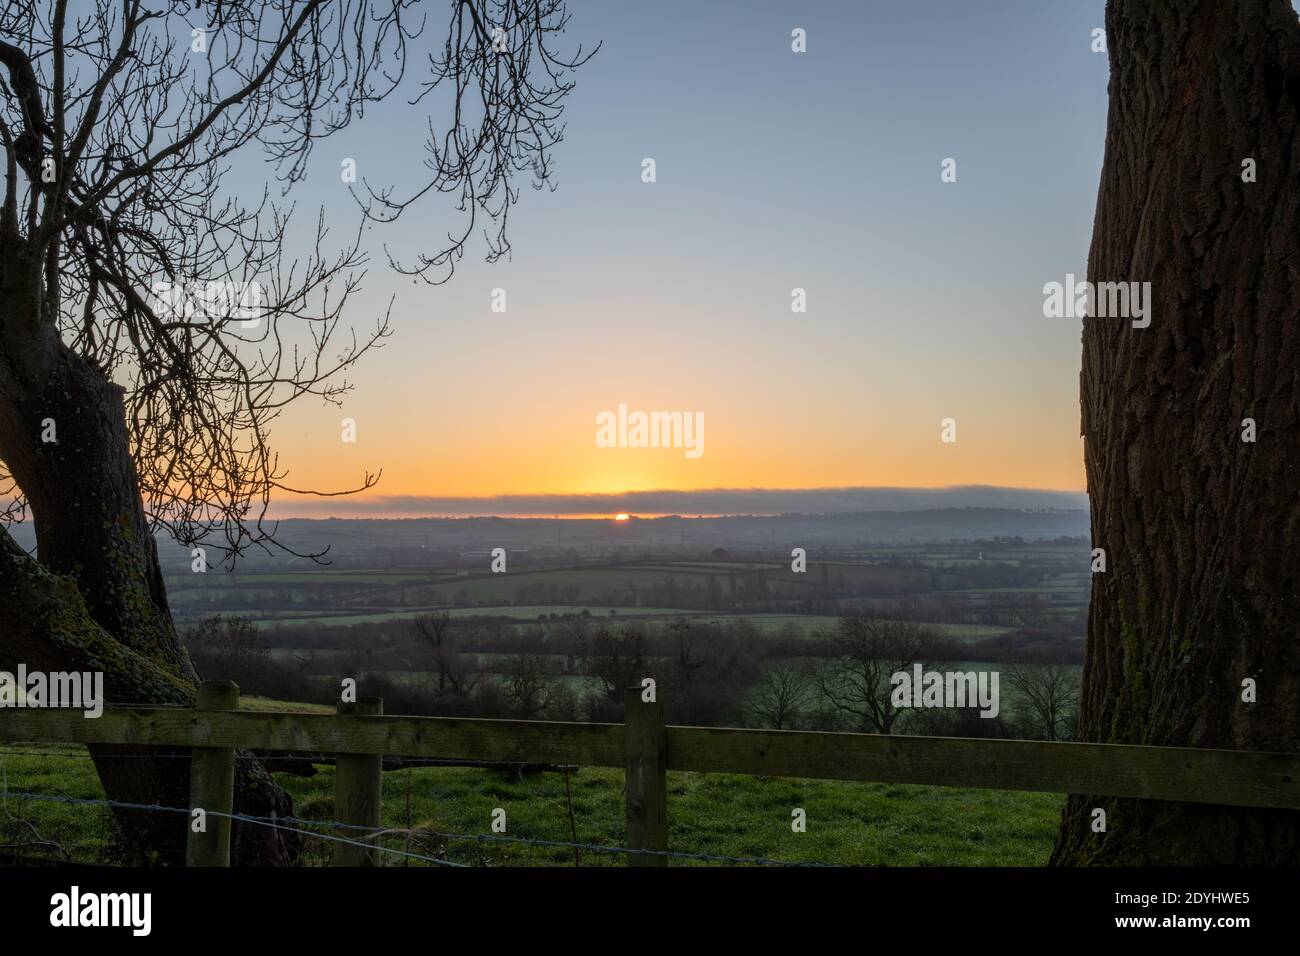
x=621 y=517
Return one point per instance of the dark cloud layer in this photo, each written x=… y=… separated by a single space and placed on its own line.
x=715 y=501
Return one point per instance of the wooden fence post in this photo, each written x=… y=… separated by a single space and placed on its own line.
x=358 y=793
x=645 y=747
x=212 y=784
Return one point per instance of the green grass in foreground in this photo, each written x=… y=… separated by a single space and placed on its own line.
x=720 y=814
x=848 y=823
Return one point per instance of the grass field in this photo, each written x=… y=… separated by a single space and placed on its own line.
x=595 y=581
x=660 y=615
x=724 y=815
x=766 y=623
x=848 y=823
x=644 y=590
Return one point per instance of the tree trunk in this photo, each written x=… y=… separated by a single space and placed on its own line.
x=1200 y=528
x=91 y=529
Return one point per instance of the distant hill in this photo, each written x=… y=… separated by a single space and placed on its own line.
x=372 y=538
x=701 y=501
x=839 y=530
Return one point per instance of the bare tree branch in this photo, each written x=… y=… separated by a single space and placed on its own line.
x=120 y=123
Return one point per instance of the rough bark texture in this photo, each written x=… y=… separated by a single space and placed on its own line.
x=98 y=557
x=47 y=626
x=1201 y=529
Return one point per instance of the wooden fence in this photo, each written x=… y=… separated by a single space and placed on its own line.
x=360 y=735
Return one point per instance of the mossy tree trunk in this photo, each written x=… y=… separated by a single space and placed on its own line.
x=1200 y=528
x=96 y=599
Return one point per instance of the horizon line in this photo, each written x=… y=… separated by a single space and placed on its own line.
x=704 y=502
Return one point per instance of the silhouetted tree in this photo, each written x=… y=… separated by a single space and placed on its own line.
x=781 y=696
x=457 y=672
x=529 y=683
x=138 y=375
x=867 y=652
x=1049 y=691
x=616 y=659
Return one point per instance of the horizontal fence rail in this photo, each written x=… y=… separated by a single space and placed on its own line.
x=647 y=750
x=1193 y=775
x=506 y=741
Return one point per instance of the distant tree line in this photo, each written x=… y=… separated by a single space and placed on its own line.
x=724 y=674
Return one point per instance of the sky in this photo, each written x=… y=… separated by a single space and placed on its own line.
x=775 y=170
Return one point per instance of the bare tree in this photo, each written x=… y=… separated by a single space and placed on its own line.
x=154 y=322
x=232 y=643
x=781 y=696
x=618 y=660
x=691 y=656
x=456 y=675
x=1050 y=691
x=867 y=652
x=529 y=683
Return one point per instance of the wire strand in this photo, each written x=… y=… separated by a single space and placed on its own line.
x=278 y=822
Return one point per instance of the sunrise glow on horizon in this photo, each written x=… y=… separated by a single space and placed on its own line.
x=623 y=292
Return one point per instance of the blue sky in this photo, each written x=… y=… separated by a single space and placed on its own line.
x=775 y=170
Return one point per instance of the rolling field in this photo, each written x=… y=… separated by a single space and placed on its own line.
x=530 y=613
x=766 y=623
x=646 y=591
x=595 y=580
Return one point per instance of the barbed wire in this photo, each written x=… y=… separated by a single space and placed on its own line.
x=274 y=823
x=604 y=848
x=377 y=832
x=408 y=833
